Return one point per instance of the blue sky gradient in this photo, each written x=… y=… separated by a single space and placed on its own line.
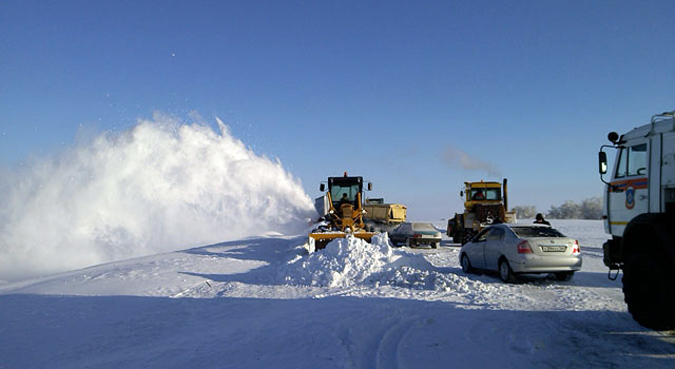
x=386 y=90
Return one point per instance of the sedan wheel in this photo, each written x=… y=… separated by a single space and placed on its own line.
x=563 y=276
x=394 y=241
x=466 y=264
x=505 y=272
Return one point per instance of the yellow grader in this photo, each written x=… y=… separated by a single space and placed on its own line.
x=342 y=211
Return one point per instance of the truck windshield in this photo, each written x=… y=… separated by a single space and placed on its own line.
x=632 y=161
x=486 y=194
x=338 y=192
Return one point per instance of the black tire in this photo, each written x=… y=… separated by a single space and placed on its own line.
x=456 y=237
x=435 y=245
x=505 y=272
x=563 y=276
x=466 y=264
x=648 y=291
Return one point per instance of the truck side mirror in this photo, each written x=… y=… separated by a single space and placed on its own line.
x=322 y=188
x=602 y=161
x=370 y=186
x=461 y=193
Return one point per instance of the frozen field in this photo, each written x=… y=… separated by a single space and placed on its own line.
x=263 y=302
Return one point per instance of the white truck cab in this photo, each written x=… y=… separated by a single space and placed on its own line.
x=639 y=213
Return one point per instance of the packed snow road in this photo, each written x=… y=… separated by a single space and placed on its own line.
x=264 y=302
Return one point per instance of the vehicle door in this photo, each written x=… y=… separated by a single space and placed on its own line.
x=476 y=249
x=493 y=247
x=628 y=192
x=399 y=235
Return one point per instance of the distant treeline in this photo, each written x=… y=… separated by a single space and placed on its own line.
x=590 y=208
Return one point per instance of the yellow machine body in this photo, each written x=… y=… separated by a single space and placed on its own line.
x=343 y=217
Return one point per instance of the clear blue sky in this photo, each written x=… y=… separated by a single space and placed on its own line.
x=381 y=89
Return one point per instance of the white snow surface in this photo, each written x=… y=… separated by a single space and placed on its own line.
x=264 y=302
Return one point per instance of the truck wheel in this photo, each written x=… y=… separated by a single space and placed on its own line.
x=457 y=237
x=648 y=291
x=505 y=271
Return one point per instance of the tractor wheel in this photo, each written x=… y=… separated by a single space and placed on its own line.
x=467 y=235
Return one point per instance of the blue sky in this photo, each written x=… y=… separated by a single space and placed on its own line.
x=386 y=90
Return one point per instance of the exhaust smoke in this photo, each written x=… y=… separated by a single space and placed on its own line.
x=459 y=159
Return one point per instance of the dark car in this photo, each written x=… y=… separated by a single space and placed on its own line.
x=414 y=234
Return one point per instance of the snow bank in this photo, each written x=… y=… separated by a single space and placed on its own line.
x=344 y=262
x=350 y=262
x=158 y=187
x=587 y=232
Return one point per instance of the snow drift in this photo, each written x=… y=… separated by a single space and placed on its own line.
x=353 y=262
x=157 y=187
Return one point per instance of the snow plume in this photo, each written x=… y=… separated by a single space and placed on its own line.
x=160 y=186
x=459 y=159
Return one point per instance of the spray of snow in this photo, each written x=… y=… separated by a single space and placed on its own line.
x=158 y=187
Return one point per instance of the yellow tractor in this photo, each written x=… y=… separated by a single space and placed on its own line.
x=485 y=203
x=342 y=211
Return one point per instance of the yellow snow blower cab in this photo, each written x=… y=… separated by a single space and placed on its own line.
x=342 y=211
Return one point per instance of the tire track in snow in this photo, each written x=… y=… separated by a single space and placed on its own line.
x=392 y=344
x=385 y=348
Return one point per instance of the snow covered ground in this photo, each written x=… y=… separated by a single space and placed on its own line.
x=263 y=302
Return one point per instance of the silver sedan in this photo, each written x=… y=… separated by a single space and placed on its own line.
x=512 y=249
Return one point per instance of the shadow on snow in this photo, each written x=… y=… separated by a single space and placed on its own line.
x=42 y=331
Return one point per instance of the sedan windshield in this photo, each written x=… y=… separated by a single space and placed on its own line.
x=423 y=227
x=525 y=232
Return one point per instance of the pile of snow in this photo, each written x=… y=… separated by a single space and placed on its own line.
x=348 y=262
x=344 y=262
x=160 y=186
